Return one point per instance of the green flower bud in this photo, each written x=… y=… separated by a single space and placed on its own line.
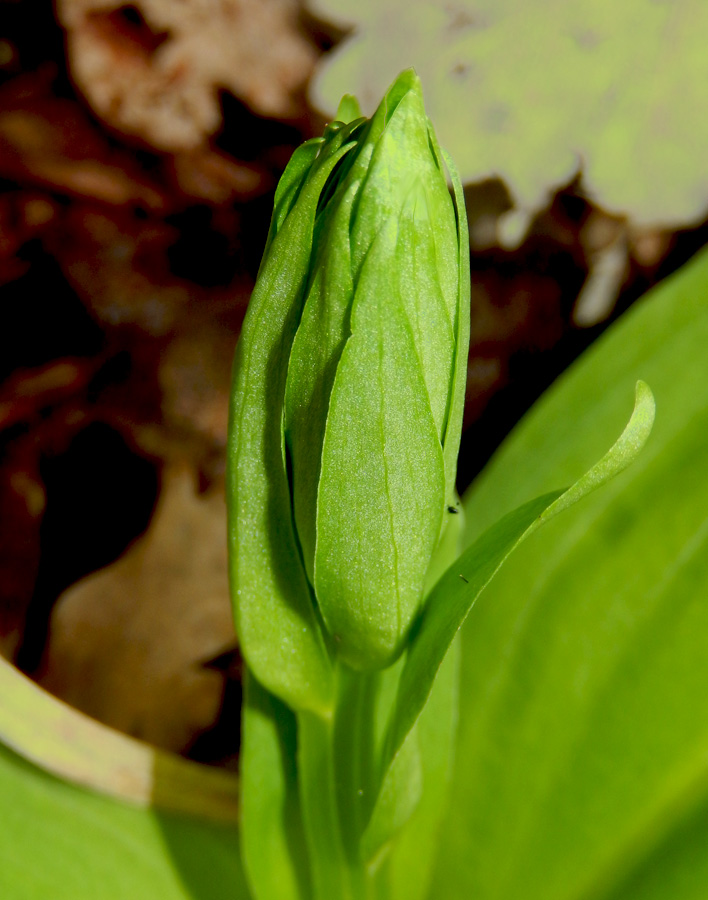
x=366 y=386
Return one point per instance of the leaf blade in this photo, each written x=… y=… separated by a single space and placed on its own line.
x=454 y=595
x=584 y=669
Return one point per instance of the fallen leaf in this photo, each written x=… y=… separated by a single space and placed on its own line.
x=154 y=68
x=129 y=644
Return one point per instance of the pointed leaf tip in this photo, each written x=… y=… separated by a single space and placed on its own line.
x=348 y=109
x=620 y=455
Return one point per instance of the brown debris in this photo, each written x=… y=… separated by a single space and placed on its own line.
x=128 y=645
x=48 y=142
x=26 y=392
x=154 y=68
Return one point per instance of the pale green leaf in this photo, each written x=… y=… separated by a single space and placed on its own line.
x=130 y=835
x=532 y=92
x=61 y=740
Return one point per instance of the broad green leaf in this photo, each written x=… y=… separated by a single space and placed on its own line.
x=160 y=826
x=272 y=839
x=133 y=839
x=678 y=865
x=531 y=92
x=584 y=728
x=60 y=841
x=451 y=599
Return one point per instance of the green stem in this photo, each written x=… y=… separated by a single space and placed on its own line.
x=336 y=874
x=354 y=749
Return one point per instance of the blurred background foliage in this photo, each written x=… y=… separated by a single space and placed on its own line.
x=140 y=145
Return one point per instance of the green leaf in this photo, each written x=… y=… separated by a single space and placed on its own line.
x=316 y=350
x=334 y=873
x=59 y=841
x=161 y=826
x=453 y=429
x=290 y=185
x=453 y=596
x=583 y=735
x=432 y=315
x=397 y=800
x=269 y=587
x=61 y=740
x=534 y=91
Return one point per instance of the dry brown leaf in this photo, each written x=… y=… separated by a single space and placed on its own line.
x=128 y=644
x=154 y=68
x=50 y=142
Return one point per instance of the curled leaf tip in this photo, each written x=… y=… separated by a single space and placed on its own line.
x=644 y=411
x=620 y=455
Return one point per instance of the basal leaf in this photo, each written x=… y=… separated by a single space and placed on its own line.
x=72 y=746
x=584 y=682
x=152 y=824
x=63 y=842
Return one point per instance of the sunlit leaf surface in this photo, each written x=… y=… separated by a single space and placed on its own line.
x=59 y=841
x=581 y=765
